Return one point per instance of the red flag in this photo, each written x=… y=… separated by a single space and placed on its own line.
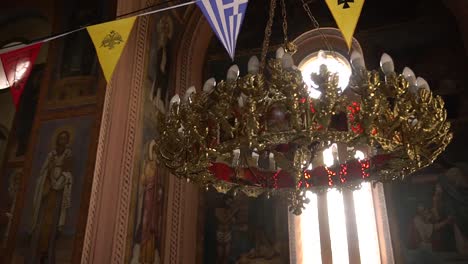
x=17 y=65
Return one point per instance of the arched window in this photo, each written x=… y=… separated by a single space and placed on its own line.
x=337 y=227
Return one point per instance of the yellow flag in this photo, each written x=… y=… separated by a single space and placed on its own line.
x=109 y=39
x=346 y=14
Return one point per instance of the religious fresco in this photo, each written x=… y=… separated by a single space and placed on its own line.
x=10 y=186
x=433 y=224
x=74 y=81
x=51 y=209
x=72 y=91
x=243 y=230
x=149 y=195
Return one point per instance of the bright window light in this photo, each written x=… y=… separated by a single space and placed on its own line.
x=310 y=233
x=366 y=225
x=330 y=155
x=335 y=62
x=359 y=155
x=337 y=223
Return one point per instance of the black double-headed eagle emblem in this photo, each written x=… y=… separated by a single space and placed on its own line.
x=111 y=40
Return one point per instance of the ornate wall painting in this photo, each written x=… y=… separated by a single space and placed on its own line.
x=433 y=224
x=52 y=201
x=149 y=194
x=160 y=61
x=243 y=230
x=72 y=91
x=74 y=81
x=148 y=209
x=8 y=193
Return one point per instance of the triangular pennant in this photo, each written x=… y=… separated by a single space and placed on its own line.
x=17 y=65
x=346 y=14
x=109 y=39
x=225 y=18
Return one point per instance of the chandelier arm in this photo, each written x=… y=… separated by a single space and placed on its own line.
x=266 y=40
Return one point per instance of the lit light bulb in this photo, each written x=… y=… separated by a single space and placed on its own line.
x=279 y=53
x=359 y=155
x=191 y=90
x=255 y=157
x=422 y=83
x=357 y=60
x=174 y=100
x=287 y=61
x=386 y=64
x=253 y=65
x=233 y=73
x=209 y=85
x=235 y=159
x=409 y=76
x=272 y=163
x=329 y=155
x=240 y=101
x=335 y=63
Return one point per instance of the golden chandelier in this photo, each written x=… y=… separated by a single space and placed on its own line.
x=263 y=133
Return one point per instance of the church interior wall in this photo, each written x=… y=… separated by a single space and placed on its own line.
x=179 y=51
x=47 y=128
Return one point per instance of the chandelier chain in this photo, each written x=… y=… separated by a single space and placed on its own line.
x=316 y=25
x=285 y=22
x=266 y=40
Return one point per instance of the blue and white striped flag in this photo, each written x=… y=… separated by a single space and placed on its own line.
x=225 y=18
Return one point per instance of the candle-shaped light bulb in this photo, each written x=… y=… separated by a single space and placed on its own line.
x=359 y=155
x=409 y=76
x=174 y=100
x=190 y=91
x=272 y=163
x=253 y=65
x=280 y=53
x=287 y=61
x=235 y=157
x=422 y=84
x=255 y=157
x=233 y=73
x=181 y=129
x=241 y=100
x=209 y=85
x=386 y=64
x=357 y=60
x=413 y=121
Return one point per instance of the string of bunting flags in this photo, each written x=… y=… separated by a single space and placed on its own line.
x=109 y=39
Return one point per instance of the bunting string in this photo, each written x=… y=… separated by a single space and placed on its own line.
x=66 y=33
x=110 y=38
